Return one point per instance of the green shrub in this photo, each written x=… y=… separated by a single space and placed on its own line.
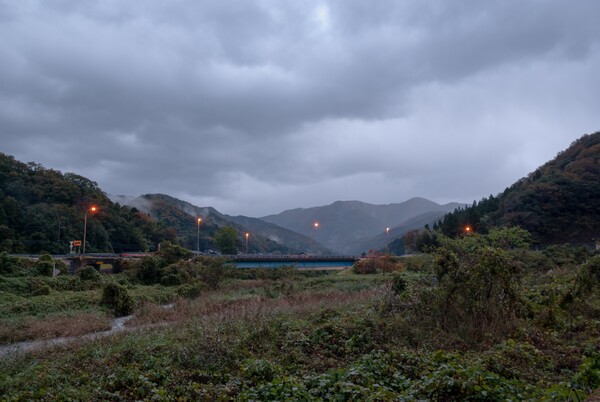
x=191 y=291
x=565 y=255
x=588 y=374
x=149 y=270
x=117 y=298
x=475 y=298
x=171 y=253
x=178 y=273
x=517 y=360
x=18 y=285
x=533 y=261
x=8 y=264
x=89 y=273
x=37 y=287
x=419 y=263
x=509 y=238
x=212 y=271
x=479 y=292
x=44 y=266
x=588 y=279
x=584 y=382
x=399 y=284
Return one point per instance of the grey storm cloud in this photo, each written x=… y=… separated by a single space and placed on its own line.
x=258 y=106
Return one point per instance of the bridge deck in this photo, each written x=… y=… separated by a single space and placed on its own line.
x=300 y=261
x=292 y=258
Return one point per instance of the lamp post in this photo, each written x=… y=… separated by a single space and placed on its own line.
x=387 y=232
x=92 y=209
x=198 y=243
x=247 y=236
x=312 y=236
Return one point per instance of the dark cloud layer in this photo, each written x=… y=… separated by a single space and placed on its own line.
x=259 y=106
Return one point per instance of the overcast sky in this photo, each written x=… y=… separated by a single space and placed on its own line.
x=258 y=106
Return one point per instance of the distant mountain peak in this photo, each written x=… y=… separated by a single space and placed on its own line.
x=343 y=223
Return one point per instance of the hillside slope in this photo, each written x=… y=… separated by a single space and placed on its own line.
x=294 y=241
x=345 y=222
x=181 y=215
x=397 y=232
x=558 y=203
x=41 y=210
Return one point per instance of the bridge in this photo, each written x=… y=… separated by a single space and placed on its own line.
x=302 y=262
x=112 y=263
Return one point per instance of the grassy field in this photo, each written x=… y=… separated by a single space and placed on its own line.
x=486 y=325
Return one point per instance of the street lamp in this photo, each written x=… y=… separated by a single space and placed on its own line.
x=387 y=232
x=247 y=235
x=312 y=235
x=468 y=229
x=198 y=244
x=92 y=209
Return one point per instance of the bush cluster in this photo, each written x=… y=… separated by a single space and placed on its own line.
x=117 y=298
x=156 y=270
x=378 y=264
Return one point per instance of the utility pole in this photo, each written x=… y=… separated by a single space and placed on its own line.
x=60 y=226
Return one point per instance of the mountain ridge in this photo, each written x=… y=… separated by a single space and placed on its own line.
x=344 y=222
x=559 y=202
x=264 y=236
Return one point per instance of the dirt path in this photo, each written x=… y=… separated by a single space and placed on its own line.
x=117 y=326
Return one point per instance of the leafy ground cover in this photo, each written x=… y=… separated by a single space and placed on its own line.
x=470 y=321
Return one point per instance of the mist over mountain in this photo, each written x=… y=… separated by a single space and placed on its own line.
x=264 y=237
x=294 y=241
x=345 y=225
x=42 y=210
x=381 y=240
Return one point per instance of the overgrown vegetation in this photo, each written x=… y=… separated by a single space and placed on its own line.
x=480 y=318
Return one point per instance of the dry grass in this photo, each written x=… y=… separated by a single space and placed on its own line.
x=54 y=326
x=212 y=307
x=150 y=313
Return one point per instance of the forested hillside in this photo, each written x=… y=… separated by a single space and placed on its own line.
x=41 y=210
x=176 y=214
x=558 y=202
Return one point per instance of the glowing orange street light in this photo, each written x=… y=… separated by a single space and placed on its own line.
x=247 y=235
x=468 y=229
x=312 y=235
x=92 y=210
x=198 y=243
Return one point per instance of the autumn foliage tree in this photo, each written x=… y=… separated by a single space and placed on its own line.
x=557 y=203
